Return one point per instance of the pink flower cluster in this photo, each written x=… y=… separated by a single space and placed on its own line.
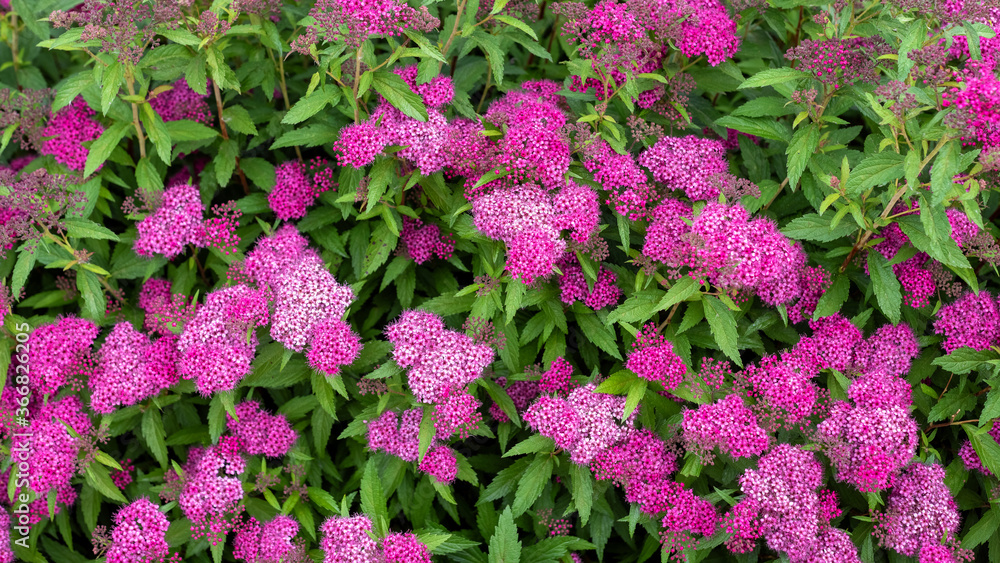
x=729 y=425
x=423 y=242
x=400 y=436
x=131 y=367
x=573 y=285
x=840 y=62
x=174 y=224
x=975 y=110
x=691 y=164
x=592 y=427
x=218 y=344
x=971 y=321
x=557 y=379
x=166 y=312
x=259 y=432
x=6 y=552
x=917 y=281
x=270 y=542
x=919 y=514
x=59 y=351
x=784 y=504
x=346 y=540
x=139 y=534
x=355 y=22
x=66 y=132
x=309 y=303
x=296 y=188
x=653 y=359
x=441 y=362
x=724 y=246
x=210 y=489
x=54 y=452
x=181 y=102
x=425 y=143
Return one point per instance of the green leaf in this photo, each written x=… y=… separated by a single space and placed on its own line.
x=764 y=127
x=953 y=403
x=157 y=132
x=111 y=83
x=800 y=151
x=833 y=298
x=532 y=444
x=225 y=161
x=943 y=169
x=723 y=325
x=92 y=293
x=187 y=130
x=101 y=149
x=153 y=434
x=981 y=530
x=582 y=490
x=875 y=170
x=383 y=242
x=503 y=400
x=964 y=360
x=85 y=228
x=773 y=76
x=532 y=482
x=511 y=21
x=311 y=105
x=96 y=475
x=598 y=333
x=505 y=547
x=236 y=117
x=23 y=266
x=496 y=55
x=373 y=498
x=398 y=93
x=986 y=448
x=635 y=394
x=886 y=286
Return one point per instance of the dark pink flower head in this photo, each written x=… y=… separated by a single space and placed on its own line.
x=304 y=296
x=273 y=541
x=359 y=144
x=398 y=438
x=440 y=463
x=274 y=255
x=665 y=237
x=333 y=344
x=54 y=451
x=436 y=93
x=68 y=129
x=919 y=511
x=293 y=191
x=356 y=22
x=653 y=358
x=346 y=540
x=642 y=458
x=729 y=425
x=181 y=102
x=972 y=321
x=890 y=350
x=441 y=361
x=139 y=534
x=585 y=423
x=833 y=342
x=869 y=441
x=131 y=368
x=404 y=548
x=783 y=504
x=217 y=345
x=260 y=432
x=211 y=484
x=457 y=412
x=174 y=225
x=6 y=552
x=782 y=390
x=690 y=164
x=423 y=242
x=59 y=351
x=576 y=210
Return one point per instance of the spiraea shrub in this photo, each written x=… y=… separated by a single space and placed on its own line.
x=499 y=281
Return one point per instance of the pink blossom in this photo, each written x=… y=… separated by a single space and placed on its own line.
x=211 y=485
x=423 y=242
x=345 y=540
x=404 y=548
x=333 y=344
x=688 y=163
x=131 y=368
x=272 y=541
x=259 y=432
x=653 y=358
x=139 y=534
x=727 y=424
x=972 y=321
x=60 y=351
x=68 y=129
x=919 y=511
x=181 y=102
x=177 y=222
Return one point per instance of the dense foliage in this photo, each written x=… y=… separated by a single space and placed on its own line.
x=499 y=281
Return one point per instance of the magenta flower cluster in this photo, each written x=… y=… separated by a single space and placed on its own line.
x=346 y=539
x=66 y=132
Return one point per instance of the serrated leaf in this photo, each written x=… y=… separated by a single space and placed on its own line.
x=311 y=105
x=875 y=170
x=833 y=298
x=373 y=498
x=102 y=148
x=888 y=291
x=532 y=482
x=943 y=169
x=93 y=295
x=153 y=434
x=723 y=326
x=964 y=360
x=953 y=403
x=800 y=151
x=773 y=76
x=764 y=127
x=398 y=93
x=505 y=547
x=85 y=228
x=599 y=334
x=96 y=475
